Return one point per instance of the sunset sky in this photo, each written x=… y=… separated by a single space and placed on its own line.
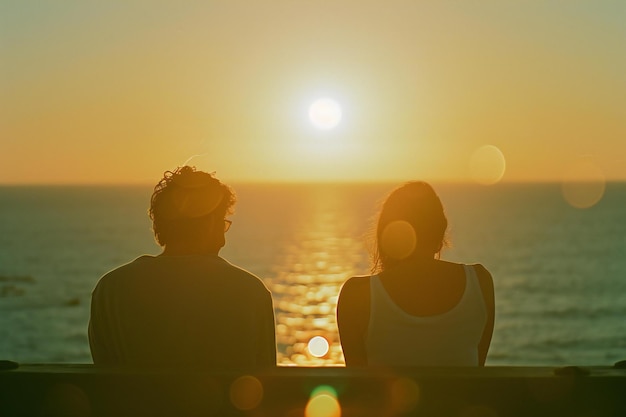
x=119 y=91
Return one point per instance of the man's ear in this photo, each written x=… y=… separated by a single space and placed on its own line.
x=217 y=236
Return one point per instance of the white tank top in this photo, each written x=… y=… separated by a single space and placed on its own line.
x=396 y=338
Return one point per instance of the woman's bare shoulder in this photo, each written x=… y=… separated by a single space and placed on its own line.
x=485 y=280
x=482 y=272
x=353 y=304
x=483 y=275
x=356 y=284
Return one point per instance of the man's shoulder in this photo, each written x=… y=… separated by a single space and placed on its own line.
x=128 y=266
x=147 y=269
x=236 y=272
x=123 y=272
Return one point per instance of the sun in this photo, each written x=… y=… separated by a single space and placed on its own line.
x=325 y=113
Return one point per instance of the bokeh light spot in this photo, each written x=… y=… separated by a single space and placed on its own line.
x=324 y=389
x=398 y=239
x=487 y=165
x=318 y=346
x=246 y=392
x=584 y=184
x=323 y=405
x=405 y=395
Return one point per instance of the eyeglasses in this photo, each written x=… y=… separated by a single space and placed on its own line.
x=227 y=224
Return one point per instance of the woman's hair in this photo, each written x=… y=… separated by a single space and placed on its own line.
x=411 y=221
x=184 y=200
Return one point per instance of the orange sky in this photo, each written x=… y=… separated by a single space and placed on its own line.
x=119 y=91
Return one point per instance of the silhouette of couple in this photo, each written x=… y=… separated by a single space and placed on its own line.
x=188 y=307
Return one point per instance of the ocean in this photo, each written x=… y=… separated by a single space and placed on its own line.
x=559 y=271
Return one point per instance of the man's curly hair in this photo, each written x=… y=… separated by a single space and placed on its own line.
x=183 y=200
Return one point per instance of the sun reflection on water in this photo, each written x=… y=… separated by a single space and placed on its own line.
x=306 y=280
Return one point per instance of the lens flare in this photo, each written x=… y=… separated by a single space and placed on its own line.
x=405 y=395
x=324 y=389
x=323 y=405
x=246 y=392
x=398 y=239
x=487 y=165
x=318 y=346
x=584 y=184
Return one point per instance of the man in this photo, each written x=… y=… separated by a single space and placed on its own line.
x=187 y=306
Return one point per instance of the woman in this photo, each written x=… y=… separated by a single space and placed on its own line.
x=416 y=310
